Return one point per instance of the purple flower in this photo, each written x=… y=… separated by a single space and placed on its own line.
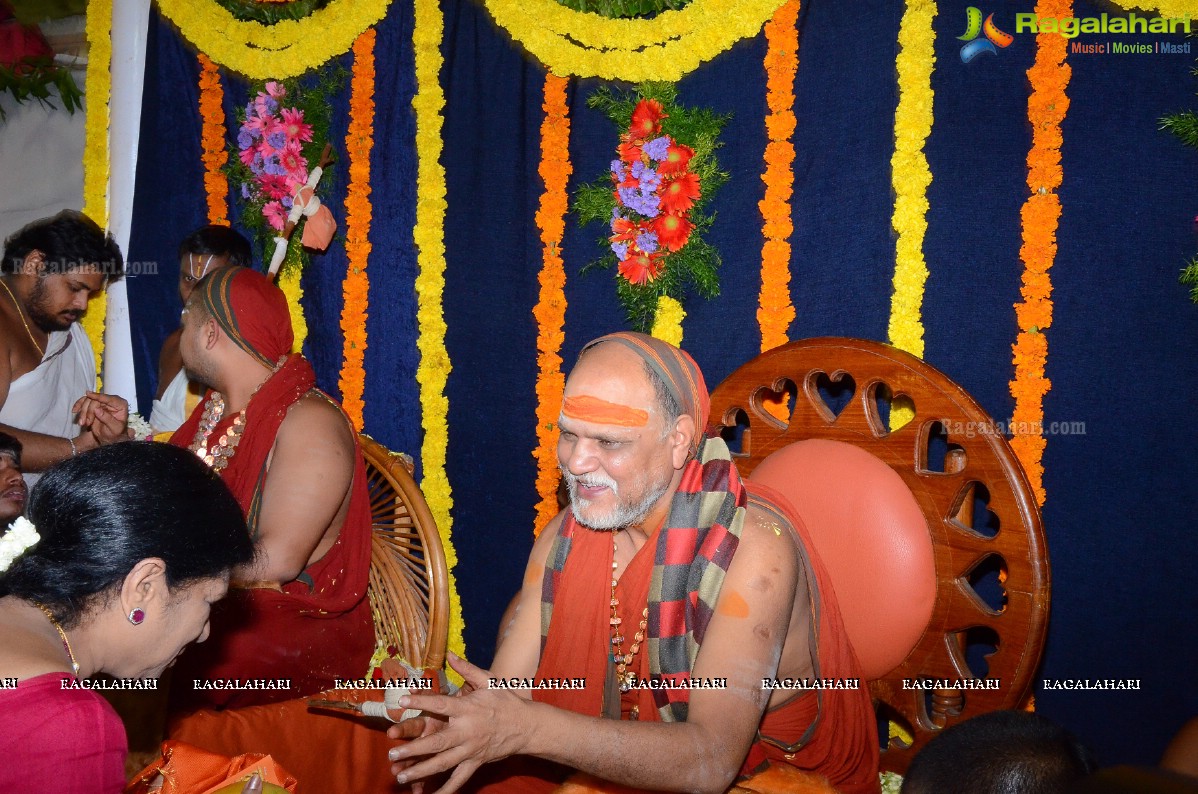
x=617 y=170
x=277 y=140
x=647 y=242
x=286 y=201
x=245 y=191
x=244 y=139
x=256 y=164
x=648 y=178
x=656 y=149
x=272 y=166
x=646 y=204
x=620 y=250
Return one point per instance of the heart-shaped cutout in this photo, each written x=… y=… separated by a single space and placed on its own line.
x=831 y=393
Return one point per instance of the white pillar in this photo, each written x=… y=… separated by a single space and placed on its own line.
x=130 y=26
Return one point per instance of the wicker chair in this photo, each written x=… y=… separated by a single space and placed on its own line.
x=903 y=536
x=409 y=582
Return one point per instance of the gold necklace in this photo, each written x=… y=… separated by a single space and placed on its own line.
x=41 y=351
x=58 y=627
x=623 y=661
x=218 y=457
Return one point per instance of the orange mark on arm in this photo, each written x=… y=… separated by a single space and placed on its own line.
x=732 y=604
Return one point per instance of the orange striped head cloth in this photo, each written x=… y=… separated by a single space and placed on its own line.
x=250 y=309
x=675 y=368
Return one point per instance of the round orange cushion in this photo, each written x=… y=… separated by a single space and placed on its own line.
x=871 y=536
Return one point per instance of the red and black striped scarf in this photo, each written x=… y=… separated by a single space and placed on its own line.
x=694 y=550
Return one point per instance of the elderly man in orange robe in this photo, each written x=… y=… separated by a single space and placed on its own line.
x=676 y=590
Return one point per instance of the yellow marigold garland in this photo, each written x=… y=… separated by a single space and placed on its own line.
x=550 y=311
x=96 y=159
x=1046 y=108
x=911 y=177
x=289 y=282
x=356 y=288
x=270 y=52
x=1166 y=8
x=212 y=140
x=664 y=48
x=776 y=311
x=667 y=322
x=429 y=235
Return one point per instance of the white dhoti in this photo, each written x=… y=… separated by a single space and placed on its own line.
x=40 y=400
x=177 y=403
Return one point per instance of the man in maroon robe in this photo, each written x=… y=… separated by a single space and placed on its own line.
x=290 y=457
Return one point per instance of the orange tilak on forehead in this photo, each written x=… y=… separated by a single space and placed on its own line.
x=586 y=408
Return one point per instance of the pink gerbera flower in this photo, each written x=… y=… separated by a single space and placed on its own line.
x=275 y=89
x=293 y=161
x=275 y=185
x=293 y=124
x=275 y=215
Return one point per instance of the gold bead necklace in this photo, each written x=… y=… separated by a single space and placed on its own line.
x=58 y=627
x=41 y=351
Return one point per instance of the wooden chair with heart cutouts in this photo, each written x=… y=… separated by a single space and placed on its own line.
x=409 y=581
x=929 y=530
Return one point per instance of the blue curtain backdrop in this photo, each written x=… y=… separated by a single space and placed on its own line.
x=1120 y=496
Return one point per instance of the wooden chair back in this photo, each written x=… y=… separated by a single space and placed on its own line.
x=409 y=581
x=966 y=481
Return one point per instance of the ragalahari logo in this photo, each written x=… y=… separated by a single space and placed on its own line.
x=992 y=36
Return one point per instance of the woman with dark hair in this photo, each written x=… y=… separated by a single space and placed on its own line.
x=124 y=552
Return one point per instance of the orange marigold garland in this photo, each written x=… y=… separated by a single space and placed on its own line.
x=212 y=139
x=356 y=288
x=776 y=311
x=550 y=310
x=1046 y=108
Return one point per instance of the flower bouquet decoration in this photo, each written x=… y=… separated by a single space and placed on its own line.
x=280 y=141
x=653 y=198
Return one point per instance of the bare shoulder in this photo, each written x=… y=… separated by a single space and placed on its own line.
x=315 y=419
x=544 y=542
x=768 y=536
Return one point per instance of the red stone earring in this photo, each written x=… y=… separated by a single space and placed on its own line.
x=136 y=616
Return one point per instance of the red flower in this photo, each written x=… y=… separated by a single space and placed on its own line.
x=629 y=152
x=678 y=157
x=641 y=268
x=680 y=193
x=646 y=120
x=623 y=231
x=672 y=231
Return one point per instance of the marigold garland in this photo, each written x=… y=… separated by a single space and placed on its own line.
x=429 y=235
x=1166 y=8
x=550 y=311
x=265 y=52
x=664 y=48
x=289 y=282
x=776 y=311
x=212 y=139
x=1046 y=108
x=359 y=141
x=96 y=154
x=667 y=322
x=911 y=177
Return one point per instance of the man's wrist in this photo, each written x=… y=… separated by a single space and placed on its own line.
x=84 y=442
